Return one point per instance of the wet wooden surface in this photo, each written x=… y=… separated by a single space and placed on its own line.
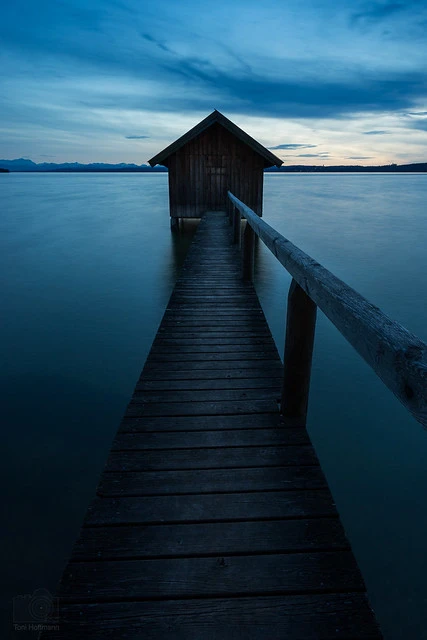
x=212 y=518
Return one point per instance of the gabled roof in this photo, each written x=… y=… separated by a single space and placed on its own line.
x=216 y=116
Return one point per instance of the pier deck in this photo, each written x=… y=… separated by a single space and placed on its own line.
x=212 y=518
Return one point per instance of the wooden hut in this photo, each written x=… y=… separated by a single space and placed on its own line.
x=213 y=157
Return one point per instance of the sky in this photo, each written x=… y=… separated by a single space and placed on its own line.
x=318 y=82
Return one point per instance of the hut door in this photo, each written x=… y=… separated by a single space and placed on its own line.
x=217 y=194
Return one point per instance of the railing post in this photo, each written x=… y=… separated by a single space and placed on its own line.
x=300 y=327
x=236 y=226
x=248 y=253
x=230 y=209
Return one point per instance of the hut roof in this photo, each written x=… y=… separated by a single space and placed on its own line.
x=216 y=116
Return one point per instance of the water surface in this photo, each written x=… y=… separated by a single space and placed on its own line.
x=88 y=263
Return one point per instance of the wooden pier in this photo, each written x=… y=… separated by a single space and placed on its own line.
x=212 y=519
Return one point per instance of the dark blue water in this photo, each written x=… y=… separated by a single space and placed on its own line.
x=87 y=264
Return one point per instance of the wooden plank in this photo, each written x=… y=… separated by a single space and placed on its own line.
x=300 y=617
x=233 y=375
x=253 y=312
x=211 y=458
x=244 y=318
x=202 y=408
x=212 y=577
x=205 y=395
x=202 y=423
x=269 y=365
x=204 y=325
x=178 y=332
x=232 y=507
x=159 y=483
x=300 y=327
x=211 y=385
x=222 y=356
x=233 y=341
x=225 y=538
x=264 y=347
x=216 y=438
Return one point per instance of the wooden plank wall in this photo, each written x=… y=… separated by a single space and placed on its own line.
x=202 y=171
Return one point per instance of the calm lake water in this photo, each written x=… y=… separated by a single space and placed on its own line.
x=87 y=264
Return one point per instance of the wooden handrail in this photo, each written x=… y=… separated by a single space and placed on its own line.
x=396 y=355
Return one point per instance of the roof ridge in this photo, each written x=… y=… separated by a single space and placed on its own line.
x=216 y=116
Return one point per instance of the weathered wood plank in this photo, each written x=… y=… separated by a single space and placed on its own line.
x=269 y=365
x=300 y=617
x=216 y=438
x=212 y=577
x=177 y=332
x=259 y=505
x=242 y=349
x=300 y=327
x=229 y=342
x=205 y=395
x=201 y=423
x=136 y=483
x=225 y=538
x=211 y=458
x=202 y=408
x=219 y=373
x=196 y=384
x=215 y=356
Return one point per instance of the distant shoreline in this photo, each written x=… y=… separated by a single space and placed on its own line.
x=28 y=166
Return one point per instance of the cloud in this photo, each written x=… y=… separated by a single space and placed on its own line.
x=313 y=155
x=419 y=125
x=378 y=132
x=416 y=120
x=157 y=43
x=76 y=76
x=376 y=12
x=359 y=157
x=293 y=146
x=180 y=79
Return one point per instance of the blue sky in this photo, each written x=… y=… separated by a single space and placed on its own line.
x=321 y=82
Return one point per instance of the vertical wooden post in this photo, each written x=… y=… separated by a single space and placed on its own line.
x=236 y=226
x=300 y=327
x=248 y=253
x=230 y=210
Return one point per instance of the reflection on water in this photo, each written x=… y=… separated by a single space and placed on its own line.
x=88 y=263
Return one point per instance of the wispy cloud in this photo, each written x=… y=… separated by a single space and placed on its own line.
x=293 y=146
x=419 y=124
x=313 y=155
x=157 y=43
x=376 y=132
x=375 y=12
x=359 y=157
x=136 y=137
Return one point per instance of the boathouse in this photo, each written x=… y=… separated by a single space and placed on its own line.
x=214 y=157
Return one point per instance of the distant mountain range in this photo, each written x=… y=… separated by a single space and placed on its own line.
x=23 y=164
